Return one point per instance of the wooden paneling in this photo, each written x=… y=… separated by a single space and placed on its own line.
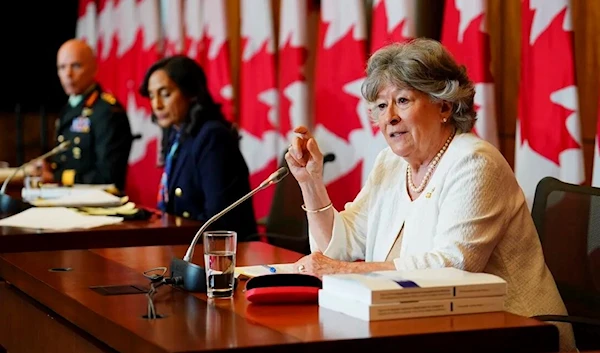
x=504 y=27
x=31 y=136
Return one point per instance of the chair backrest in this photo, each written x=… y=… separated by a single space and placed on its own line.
x=567 y=218
x=287 y=225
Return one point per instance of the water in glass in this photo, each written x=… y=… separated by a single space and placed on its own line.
x=220 y=273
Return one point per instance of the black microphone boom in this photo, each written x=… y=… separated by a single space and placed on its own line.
x=191 y=276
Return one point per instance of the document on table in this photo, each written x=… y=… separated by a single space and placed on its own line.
x=53 y=191
x=56 y=218
x=259 y=270
x=81 y=198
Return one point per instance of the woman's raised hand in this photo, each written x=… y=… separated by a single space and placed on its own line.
x=304 y=158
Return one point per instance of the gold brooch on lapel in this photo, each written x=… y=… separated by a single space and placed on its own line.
x=428 y=194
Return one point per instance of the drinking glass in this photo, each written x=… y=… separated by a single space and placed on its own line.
x=219 y=262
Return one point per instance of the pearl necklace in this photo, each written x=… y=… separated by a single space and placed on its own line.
x=430 y=169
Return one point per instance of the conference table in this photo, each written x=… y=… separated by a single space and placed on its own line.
x=46 y=304
x=159 y=229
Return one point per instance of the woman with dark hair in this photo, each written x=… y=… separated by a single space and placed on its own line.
x=204 y=168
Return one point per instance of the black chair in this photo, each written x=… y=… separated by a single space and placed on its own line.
x=567 y=218
x=286 y=226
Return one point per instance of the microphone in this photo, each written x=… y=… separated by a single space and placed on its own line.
x=191 y=276
x=6 y=203
x=60 y=148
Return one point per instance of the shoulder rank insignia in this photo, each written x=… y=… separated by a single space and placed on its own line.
x=109 y=98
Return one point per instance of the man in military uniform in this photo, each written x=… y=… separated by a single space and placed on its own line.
x=93 y=121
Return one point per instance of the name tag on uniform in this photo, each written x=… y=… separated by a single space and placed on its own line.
x=81 y=124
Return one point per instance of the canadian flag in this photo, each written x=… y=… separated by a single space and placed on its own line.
x=172 y=24
x=207 y=41
x=261 y=142
x=548 y=138
x=293 y=95
x=342 y=126
x=86 y=22
x=128 y=34
x=464 y=33
x=392 y=21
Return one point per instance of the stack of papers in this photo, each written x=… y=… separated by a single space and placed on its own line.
x=53 y=191
x=56 y=218
x=81 y=198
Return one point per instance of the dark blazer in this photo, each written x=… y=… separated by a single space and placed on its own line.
x=100 y=135
x=208 y=174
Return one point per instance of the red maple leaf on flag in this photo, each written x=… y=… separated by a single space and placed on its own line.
x=196 y=50
x=345 y=188
x=217 y=73
x=476 y=53
x=171 y=48
x=291 y=61
x=473 y=51
x=337 y=66
x=257 y=77
x=188 y=44
x=107 y=61
x=380 y=36
x=543 y=122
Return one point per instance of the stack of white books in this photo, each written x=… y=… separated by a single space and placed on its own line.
x=386 y=295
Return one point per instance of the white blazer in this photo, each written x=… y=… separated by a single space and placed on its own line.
x=472 y=215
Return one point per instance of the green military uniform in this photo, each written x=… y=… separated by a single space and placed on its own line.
x=100 y=135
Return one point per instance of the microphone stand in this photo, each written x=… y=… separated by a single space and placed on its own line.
x=191 y=276
x=8 y=204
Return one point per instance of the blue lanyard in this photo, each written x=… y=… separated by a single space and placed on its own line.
x=163 y=197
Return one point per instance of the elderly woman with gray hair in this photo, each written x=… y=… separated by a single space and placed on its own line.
x=438 y=196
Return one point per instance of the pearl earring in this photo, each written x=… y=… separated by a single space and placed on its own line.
x=444 y=120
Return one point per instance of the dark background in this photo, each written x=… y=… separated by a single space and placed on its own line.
x=30 y=34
